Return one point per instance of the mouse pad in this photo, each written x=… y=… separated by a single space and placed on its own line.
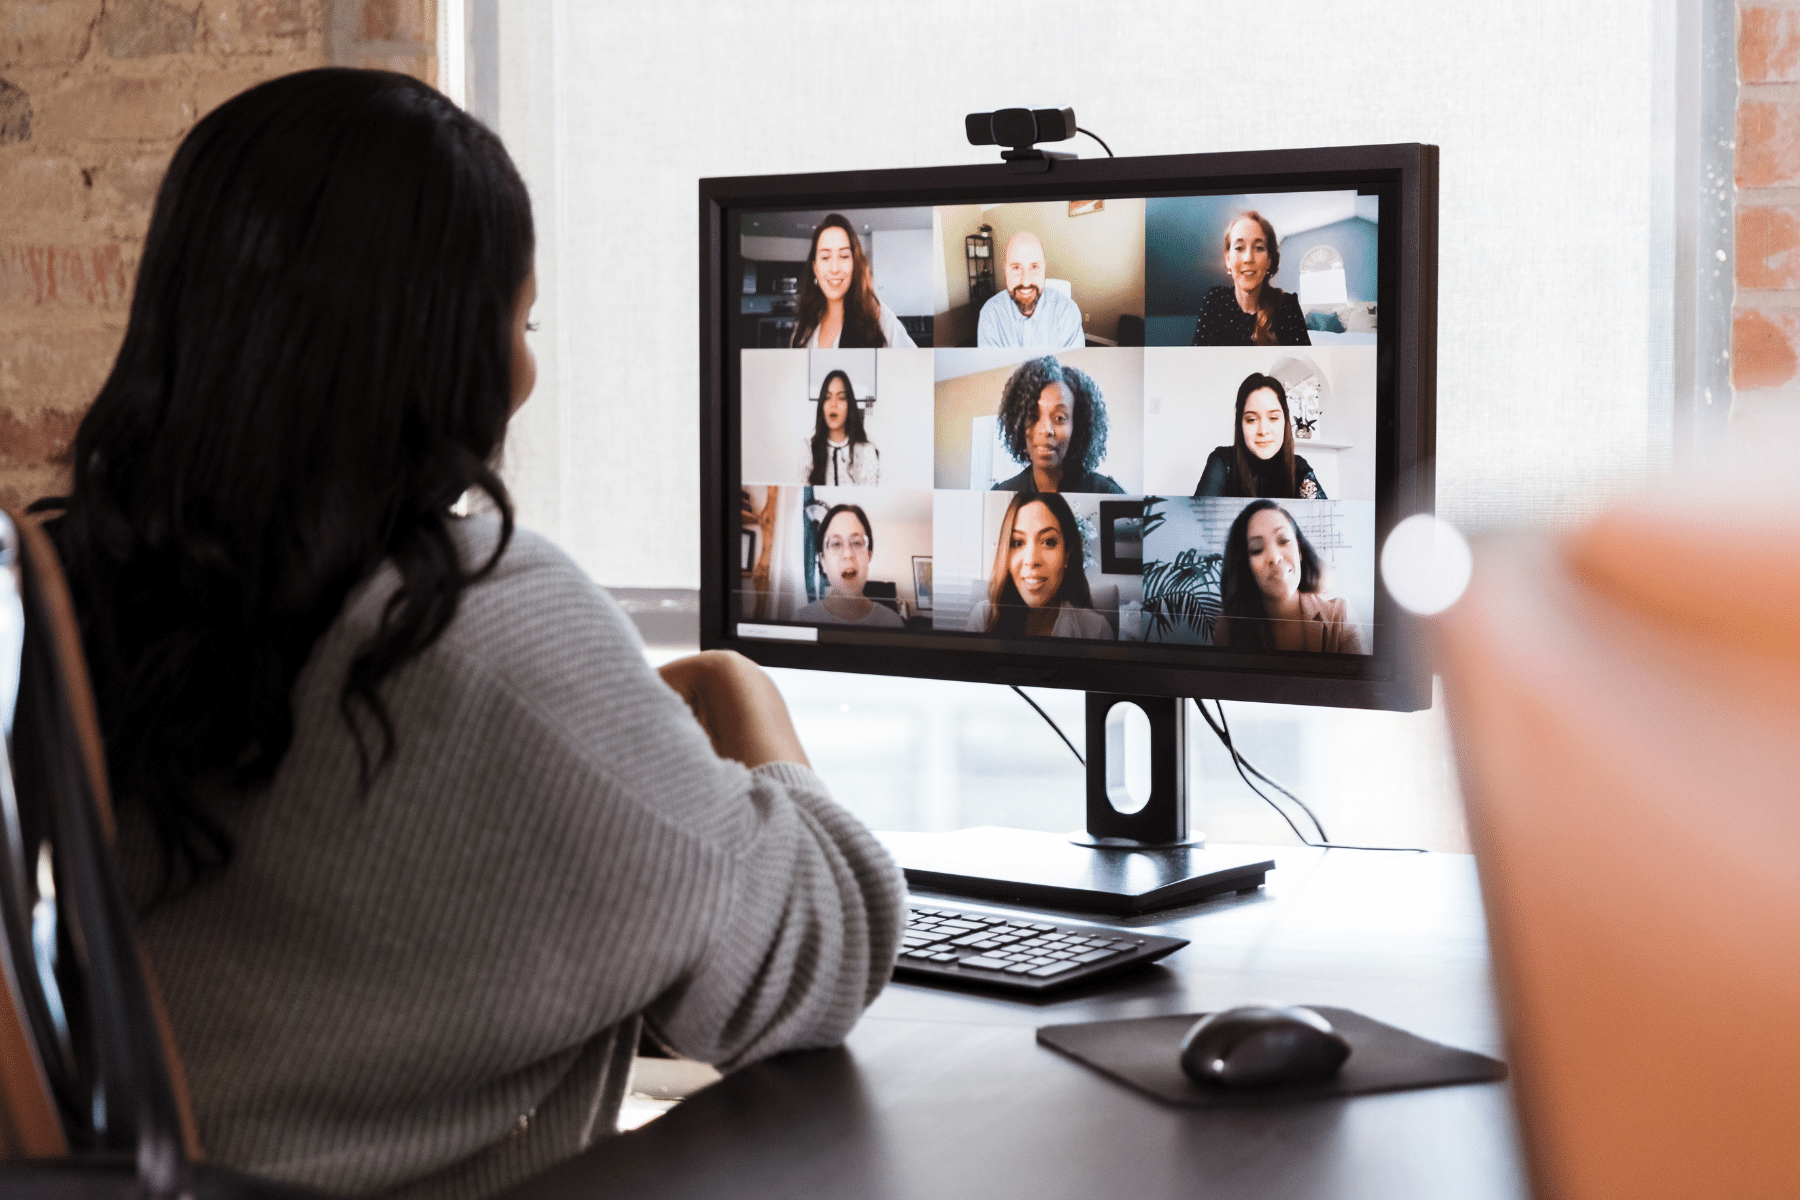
x=1145 y=1053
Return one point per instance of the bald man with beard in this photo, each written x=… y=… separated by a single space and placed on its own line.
x=1027 y=313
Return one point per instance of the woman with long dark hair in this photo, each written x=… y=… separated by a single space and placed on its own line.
x=838 y=305
x=1260 y=460
x=1053 y=419
x=1250 y=311
x=1039 y=585
x=839 y=453
x=421 y=843
x=1269 y=589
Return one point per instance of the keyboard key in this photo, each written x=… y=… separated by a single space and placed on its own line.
x=1053 y=969
x=943 y=958
x=982 y=962
x=970 y=939
x=1096 y=955
x=989 y=944
x=1019 y=968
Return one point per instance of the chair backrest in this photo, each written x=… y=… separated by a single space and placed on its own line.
x=883 y=591
x=1625 y=705
x=89 y=1063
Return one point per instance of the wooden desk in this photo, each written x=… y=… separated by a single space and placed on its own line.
x=946 y=1094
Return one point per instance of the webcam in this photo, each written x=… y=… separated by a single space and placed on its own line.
x=1019 y=129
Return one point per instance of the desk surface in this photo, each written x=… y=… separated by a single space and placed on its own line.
x=944 y=1094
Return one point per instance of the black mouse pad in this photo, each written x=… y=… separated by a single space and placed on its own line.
x=1145 y=1053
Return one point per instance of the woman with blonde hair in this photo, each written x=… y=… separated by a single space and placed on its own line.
x=1250 y=311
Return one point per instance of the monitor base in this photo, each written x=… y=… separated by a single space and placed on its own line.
x=1024 y=866
x=1081 y=837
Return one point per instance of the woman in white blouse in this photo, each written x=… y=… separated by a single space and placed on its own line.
x=838 y=305
x=839 y=454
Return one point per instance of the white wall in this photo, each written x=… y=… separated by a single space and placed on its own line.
x=1543 y=110
x=777 y=414
x=902 y=264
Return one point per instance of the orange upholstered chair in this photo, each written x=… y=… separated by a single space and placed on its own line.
x=1626 y=709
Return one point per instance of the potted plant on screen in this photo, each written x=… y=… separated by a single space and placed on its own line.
x=1181 y=594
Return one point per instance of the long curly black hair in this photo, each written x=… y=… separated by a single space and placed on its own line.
x=318 y=363
x=1019 y=411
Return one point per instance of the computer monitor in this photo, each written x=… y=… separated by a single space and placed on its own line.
x=1135 y=426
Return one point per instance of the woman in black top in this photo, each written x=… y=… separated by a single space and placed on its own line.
x=1250 y=311
x=1260 y=460
x=1054 y=421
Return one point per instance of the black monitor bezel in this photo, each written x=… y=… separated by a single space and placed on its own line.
x=1395 y=677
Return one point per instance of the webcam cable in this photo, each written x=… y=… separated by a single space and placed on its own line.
x=1103 y=146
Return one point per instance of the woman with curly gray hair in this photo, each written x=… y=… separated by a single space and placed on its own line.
x=1053 y=419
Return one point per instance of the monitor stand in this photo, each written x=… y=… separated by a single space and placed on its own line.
x=1123 y=862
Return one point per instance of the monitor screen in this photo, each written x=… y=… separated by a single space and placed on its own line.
x=1127 y=425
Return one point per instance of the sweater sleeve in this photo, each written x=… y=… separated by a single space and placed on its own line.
x=742 y=911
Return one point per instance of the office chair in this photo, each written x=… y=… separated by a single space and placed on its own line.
x=1625 y=706
x=91 y=1098
x=884 y=592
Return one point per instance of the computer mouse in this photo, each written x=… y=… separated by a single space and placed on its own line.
x=1260 y=1046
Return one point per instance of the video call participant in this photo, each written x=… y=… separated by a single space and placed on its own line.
x=1039 y=586
x=839 y=309
x=1269 y=589
x=1053 y=419
x=1027 y=313
x=1250 y=311
x=838 y=453
x=845 y=543
x=1261 y=459
x=326 y=699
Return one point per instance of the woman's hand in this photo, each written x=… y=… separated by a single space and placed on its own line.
x=737 y=705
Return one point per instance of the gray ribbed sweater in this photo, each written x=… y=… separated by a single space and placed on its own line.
x=434 y=988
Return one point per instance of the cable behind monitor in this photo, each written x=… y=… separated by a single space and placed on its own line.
x=1245 y=769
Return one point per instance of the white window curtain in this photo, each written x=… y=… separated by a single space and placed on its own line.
x=1552 y=397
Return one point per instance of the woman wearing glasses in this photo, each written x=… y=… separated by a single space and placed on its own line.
x=845 y=543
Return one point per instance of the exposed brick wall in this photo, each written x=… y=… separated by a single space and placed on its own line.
x=1765 y=334
x=94 y=97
